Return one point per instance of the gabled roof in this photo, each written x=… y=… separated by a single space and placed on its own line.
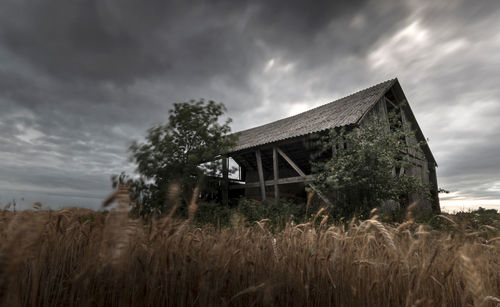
x=341 y=112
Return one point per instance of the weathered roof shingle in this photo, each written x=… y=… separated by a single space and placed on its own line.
x=341 y=112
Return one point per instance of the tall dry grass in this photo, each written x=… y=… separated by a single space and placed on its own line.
x=83 y=258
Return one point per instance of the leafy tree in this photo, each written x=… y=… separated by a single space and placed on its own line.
x=359 y=167
x=182 y=151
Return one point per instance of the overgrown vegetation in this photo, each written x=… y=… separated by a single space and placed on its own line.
x=183 y=151
x=76 y=257
x=247 y=211
x=361 y=167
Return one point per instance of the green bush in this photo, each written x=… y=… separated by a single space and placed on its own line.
x=212 y=213
x=278 y=214
x=360 y=167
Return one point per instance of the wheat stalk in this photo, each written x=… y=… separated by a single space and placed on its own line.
x=385 y=234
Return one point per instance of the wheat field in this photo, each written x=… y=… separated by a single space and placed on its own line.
x=76 y=257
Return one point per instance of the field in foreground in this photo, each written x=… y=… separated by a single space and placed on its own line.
x=78 y=257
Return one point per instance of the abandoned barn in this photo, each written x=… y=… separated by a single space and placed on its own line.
x=274 y=160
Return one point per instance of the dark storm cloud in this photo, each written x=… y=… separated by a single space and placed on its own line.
x=120 y=41
x=81 y=79
x=74 y=39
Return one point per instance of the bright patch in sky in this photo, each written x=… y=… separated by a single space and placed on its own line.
x=410 y=38
x=415 y=47
x=455 y=205
x=27 y=134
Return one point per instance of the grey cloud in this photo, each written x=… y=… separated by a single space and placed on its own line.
x=74 y=39
x=82 y=79
x=121 y=41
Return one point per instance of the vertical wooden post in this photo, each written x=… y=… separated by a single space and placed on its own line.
x=225 y=181
x=276 y=176
x=261 y=175
x=243 y=173
x=436 y=207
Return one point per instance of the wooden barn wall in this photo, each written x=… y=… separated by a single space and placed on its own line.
x=295 y=190
x=291 y=190
x=421 y=168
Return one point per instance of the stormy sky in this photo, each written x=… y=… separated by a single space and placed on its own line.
x=80 y=80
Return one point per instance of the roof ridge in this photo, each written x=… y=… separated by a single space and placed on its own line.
x=365 y=89
x=328 y=103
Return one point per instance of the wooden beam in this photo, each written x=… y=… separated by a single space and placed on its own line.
x=261 y=175
x=276 y=176
x=225 y=181
x=301 y=173
x=390 y=101
x=292 y=164
x=272 y=182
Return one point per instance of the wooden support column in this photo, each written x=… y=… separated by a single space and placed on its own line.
x=436 y=207
x=225 y=181
x=276 y=176
x=261 y=175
